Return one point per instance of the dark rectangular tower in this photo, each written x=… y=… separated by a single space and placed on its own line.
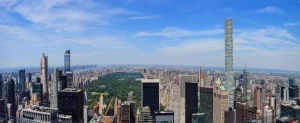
x=1 y=87
x=206 y=105
x=11 y=96
x=22 y=80
x=70 y=102
x=191 y=100
x=150 y=94
x=29 y=77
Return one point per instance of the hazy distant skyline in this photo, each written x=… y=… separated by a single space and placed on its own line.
x=266 y=33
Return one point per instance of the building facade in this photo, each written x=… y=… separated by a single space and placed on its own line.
x=1 y=87
x=150 y=94
x=54 y=89
x=70 y=102
x=44 y=73
x=37 y=88
x=206 y=105
x=37 y=114
x=220 y=104
x=11 y=96
x=244 y=112
x=191 y=100
x=186 y=78
x=21 y=80
x=44 y=79
x=229 y=74
x=175 y=102
x=67 y=61
x=164 y=117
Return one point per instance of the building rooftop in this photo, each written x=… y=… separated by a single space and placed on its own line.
x=164 y=112
x=71 y=90
x=64 y=116
x=150 y=80
x=41 y=109
x=223 y=88
x=285 y=119
x=194 y=114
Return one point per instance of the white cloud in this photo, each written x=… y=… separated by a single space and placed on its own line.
x=7 y=3
x=271 y=9
x=142 y=17
x=65 y=15
x=177 y=32
x=292 y=24
x=262 y=48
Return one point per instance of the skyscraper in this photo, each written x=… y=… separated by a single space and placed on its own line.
x=191 y=100
x=70 y=102
x=44 y=76
x=37 y=88
x=189 y=92
x=67 y=61
x=220 y=104
x=175 y=102
x=201 y=78
x=186 y=78
x=62 y=81
x=2 y=108
x=257 y=97
x=11 y=96
x=69 y=75
x=1 y=87
x=206 y=105
x=229 y=75
x=54 y=88
x=29 y=77
x=150 y=94
x=247 y=85
x=22 y=80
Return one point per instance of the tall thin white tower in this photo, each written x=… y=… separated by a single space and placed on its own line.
x=54 y=88
x=229 y=80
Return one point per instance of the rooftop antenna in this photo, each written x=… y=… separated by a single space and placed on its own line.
x=46 y=48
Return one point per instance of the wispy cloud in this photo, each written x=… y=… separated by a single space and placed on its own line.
x=271 y=9
x=65 y=15
x=142 y=17
x=178 y=32
x=267 y=44
x=292 y=24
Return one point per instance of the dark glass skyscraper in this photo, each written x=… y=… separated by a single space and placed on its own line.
x=191 y=100
x=206 y=105
x=62 y=81
x=11 y=95
x=150 y=94
x=1 y=87
x=70 y=102
x=22 y=79
x=29 y=77
x=67 y=61
x=38 y=89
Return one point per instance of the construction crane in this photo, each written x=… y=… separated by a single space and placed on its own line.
x=105 y=119
x=108 y=107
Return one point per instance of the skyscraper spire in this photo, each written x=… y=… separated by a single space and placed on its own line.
x=201 y=77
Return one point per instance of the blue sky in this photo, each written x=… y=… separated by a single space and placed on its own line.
x=266 y=33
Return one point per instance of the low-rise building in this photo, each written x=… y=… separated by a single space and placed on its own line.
x=37 y=114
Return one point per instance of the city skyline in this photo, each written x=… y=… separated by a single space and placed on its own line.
x=122 y=32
